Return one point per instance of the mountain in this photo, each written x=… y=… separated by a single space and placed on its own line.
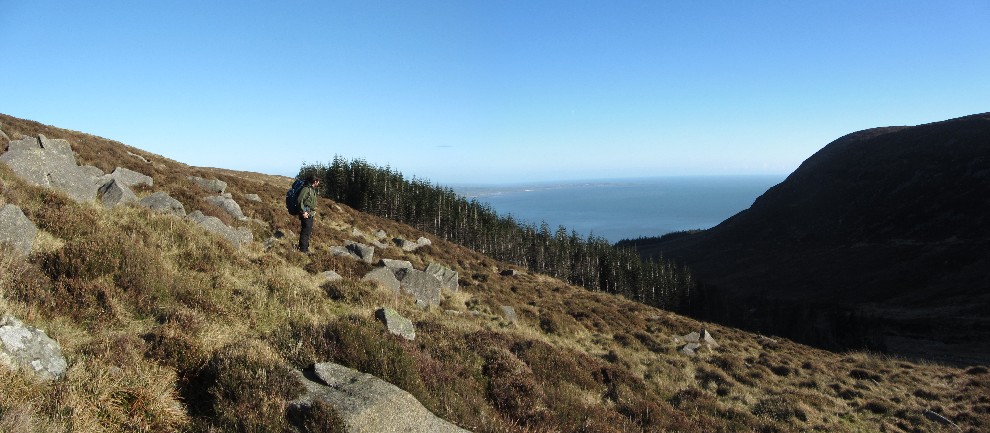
x=166 y=324
x=881 y=238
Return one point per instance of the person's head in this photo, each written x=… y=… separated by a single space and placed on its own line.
x=311 y=180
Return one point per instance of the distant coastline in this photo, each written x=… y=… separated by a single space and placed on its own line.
x=627 y=208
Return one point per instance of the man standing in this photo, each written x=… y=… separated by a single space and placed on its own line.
x=307 y=204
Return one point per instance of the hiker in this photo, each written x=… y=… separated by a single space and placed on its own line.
x=307 y=206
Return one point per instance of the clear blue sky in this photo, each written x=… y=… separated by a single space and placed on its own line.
x=468 y=91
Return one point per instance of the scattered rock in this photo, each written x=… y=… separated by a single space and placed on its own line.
x=332 y=276
x=696 y=341
x=395 y=265
x=357 y=233
x=163 y=203
x=365 y=403
x=115 y=193
x=448 y=277
x=423 y=286
x=690 y=348
x=252 y=197
x=509 y=313
x=380 y=234
x=30 y=349
x=228 y=205
x=383 y=276
x=424 y=242
x=131 y=178
x=143 y=159
x=237 y=237
x=364 y=252
x=215 y=186
x=396 y=324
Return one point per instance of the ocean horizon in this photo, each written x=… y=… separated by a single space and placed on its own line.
x=616 y=209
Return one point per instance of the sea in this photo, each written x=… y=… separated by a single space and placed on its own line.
x=616 y=209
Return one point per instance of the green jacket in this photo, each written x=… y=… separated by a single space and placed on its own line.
x=307 y=199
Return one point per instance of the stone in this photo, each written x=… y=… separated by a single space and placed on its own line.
x=408 y=246
x=161 y=202
x=332 y=276
x=357 y=233
x=16 y=229
x=52 y=166
x=143 y=159
x=252 y=197
x=365 y=403
x=131 y=178
x=337 y=250
x=396 y=324
x=115 y=193
x=27 y=348
x=690 y=348
x=228 y=205
x=395 y=265
x=215 y=186
x=383 y=276
x=509 y=313
x=380 y=234
x=708 y=339
x=423 y=242
x=692 y=337
x=448 y=277
x=365 y=253
x=237 y=237
x=421 y=285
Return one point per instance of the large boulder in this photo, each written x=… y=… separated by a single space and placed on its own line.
x=215 y=186
x=27 y=348
x=365 y=403
x=448 y=277
x=228 y=205
x=236 y=236
x=421 y=285
x=396 y=265
x=365 y=252
x=383 y=276
x=131 y=178
x=161 y=202
x=51 y=163
x=116 y=193
x=16 y=229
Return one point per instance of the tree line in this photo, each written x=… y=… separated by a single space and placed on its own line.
x=591 y=262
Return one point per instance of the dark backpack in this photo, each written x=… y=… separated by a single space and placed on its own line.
x=292 y=197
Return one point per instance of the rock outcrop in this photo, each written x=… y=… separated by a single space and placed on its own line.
x=51 y=163
x=365 y=403
x=448 y=277
x=26 y=348
x=228 y=205
x=116 y=193
x=421 y=285
x=16 y=229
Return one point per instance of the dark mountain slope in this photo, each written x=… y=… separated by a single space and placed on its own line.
x=892 y=224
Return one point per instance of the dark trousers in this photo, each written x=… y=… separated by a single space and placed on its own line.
x=305 y=230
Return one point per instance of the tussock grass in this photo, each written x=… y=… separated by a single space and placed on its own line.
x=168 y=328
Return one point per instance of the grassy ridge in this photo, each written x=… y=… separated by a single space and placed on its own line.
x=168 y=328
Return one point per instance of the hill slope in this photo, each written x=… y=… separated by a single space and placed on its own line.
x=890 y=223
x=167 y=327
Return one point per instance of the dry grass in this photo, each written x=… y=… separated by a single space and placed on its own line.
x=168 y=328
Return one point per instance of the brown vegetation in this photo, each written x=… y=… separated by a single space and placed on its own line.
x=168 y=328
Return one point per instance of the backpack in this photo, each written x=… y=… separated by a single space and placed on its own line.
x=292 y=197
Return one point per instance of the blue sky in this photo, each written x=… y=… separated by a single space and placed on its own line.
x=493 y=91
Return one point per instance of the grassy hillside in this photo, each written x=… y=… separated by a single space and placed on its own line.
x=168 y=328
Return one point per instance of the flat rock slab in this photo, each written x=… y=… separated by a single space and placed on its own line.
x=396 y=324
x=365 y=403
x=423 y=286
x=51 y=163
